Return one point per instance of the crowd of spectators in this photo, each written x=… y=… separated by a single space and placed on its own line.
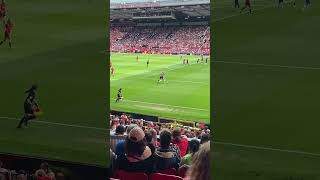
x=160 y=39
x=141 y=146
x=43 y=173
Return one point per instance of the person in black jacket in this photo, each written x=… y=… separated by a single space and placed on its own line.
x=138 y=156
x=167 y=155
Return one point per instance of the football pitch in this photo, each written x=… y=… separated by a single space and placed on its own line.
x=185 y=95
x=266 y=98
x=57 y=45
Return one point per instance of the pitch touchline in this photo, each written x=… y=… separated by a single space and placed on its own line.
x=166 y=105
x=59 y=124
x=268 y=65
x=267 y=148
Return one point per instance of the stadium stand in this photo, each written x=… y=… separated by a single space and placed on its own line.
x=124 y=127
x=161 y=39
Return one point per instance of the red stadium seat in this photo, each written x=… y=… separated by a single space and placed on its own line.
x=171 y=171
x=123 y=175
x=159 y=176
x=182 y=171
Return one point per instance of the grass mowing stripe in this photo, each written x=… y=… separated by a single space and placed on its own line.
x=142 y=102
x=269 y=65
x=55 y=123
x=267 y=148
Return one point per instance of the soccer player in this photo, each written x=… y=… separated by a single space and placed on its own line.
x=148 y=62
x=3 y=10
x=198 y=60
x=161 y=77
x=236 y=4
x=7 y=32
x=187 y=61
x=247 y=5
x=119 y=95
x=206 y=60
x=137 y=58
x=30 y=107
x=32 y=91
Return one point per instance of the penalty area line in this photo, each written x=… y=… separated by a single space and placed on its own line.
x=58 y=124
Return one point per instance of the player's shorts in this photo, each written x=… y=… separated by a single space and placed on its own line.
x=30 y=116
x=161 y=78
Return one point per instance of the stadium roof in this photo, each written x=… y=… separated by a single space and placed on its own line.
x=179 y=9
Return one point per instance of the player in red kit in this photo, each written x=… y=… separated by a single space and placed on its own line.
x=3 y=10
x=7 y=32
x=247 y=5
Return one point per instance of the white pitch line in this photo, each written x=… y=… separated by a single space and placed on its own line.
x=268 y=148
x=182 y=107
x=268 y=65
x=58 y=124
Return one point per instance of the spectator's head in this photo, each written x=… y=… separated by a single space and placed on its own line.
x=21 y=177
x=200 y=165
x=112 y=124
x=204 y=138
x=165 y=138
x=130 y=127
x=154 y=133
x=44 y=166
x=194 y=145
x=148 y=136
x=120 y=130
x=41 y=173
x=135 y=142
x=176 y=134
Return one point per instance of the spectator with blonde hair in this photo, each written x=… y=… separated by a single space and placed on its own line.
x=200 y=164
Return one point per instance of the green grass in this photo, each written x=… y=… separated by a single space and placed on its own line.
x=56 y=44
x=267 y=91
x=185 y=96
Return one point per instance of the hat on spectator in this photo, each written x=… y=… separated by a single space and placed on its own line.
x=136 y=134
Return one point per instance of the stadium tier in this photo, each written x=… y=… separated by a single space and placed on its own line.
x=160 y=27
x=161 y=39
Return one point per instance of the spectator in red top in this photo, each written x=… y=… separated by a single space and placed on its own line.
x=180 y=141
x=124 y=118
